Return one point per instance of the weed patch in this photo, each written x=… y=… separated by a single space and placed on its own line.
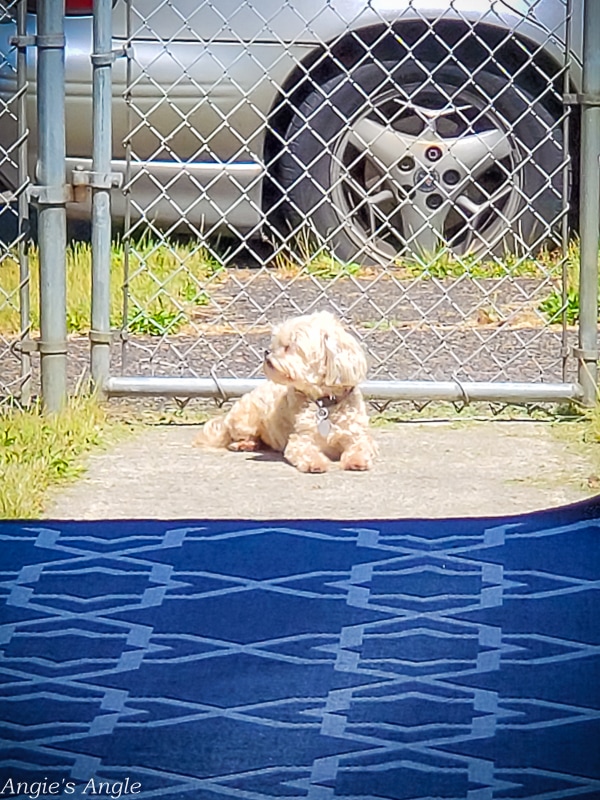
x=38 y=451
x=444 y=265
x=163 y=281
x=555 y=307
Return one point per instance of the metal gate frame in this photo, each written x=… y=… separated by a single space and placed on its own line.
x=52 y=225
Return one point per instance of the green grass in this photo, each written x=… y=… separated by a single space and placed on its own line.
x=555 y=307
x=306 y=257
x=578 y=428
x=166 y=282
x=169 y=280
x=590 y=429
x=327 y=267
x=444 y=264
x=563 y=303
x=39 y=451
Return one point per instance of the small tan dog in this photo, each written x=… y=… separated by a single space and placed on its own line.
x=310 y=409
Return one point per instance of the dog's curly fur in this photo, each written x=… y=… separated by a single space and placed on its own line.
x=313 y=363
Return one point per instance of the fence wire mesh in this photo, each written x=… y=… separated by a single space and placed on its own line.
x=15 y=306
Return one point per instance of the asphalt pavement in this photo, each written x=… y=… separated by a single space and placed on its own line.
x=424 y=469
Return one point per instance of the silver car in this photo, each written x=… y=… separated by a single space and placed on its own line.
x=381 y=127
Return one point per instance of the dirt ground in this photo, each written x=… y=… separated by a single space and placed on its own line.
x=424 y=469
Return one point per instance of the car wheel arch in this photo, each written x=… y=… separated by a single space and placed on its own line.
x=325 y=62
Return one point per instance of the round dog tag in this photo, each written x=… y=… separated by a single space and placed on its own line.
x=323 y=423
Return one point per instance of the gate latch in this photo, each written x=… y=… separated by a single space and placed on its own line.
x=84 y=179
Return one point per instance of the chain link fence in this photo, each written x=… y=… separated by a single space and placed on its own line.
x=411 y=166
x=407 y=168
x=15 y=291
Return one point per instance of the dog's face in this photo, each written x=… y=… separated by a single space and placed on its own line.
x=314 y=352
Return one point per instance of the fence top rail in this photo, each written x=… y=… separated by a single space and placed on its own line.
x=422 y=391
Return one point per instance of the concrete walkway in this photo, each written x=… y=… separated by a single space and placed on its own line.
x=424 y=469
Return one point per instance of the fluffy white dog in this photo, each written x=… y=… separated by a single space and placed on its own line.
x=310 y=408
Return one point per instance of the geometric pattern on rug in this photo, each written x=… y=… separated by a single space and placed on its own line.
x=409 y=659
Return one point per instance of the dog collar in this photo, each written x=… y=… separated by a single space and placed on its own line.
x=323 y=405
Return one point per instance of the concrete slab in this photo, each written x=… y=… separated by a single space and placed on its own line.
x=424 y=469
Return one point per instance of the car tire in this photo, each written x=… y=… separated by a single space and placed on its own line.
x=370 y=204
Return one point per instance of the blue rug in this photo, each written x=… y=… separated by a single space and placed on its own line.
x=378 y=659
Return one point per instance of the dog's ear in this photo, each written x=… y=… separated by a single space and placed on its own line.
x=345 y=362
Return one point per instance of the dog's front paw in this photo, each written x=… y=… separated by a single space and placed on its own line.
x=249 y=445
x=356 y=460
x=302 y=454
x=313 y=463
x=314 y=467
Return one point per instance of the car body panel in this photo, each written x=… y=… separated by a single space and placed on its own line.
x=315 y=21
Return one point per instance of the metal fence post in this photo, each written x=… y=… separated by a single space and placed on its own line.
x=589 y=203
x=51 y=195
x=101 y=183
x=23 y=207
